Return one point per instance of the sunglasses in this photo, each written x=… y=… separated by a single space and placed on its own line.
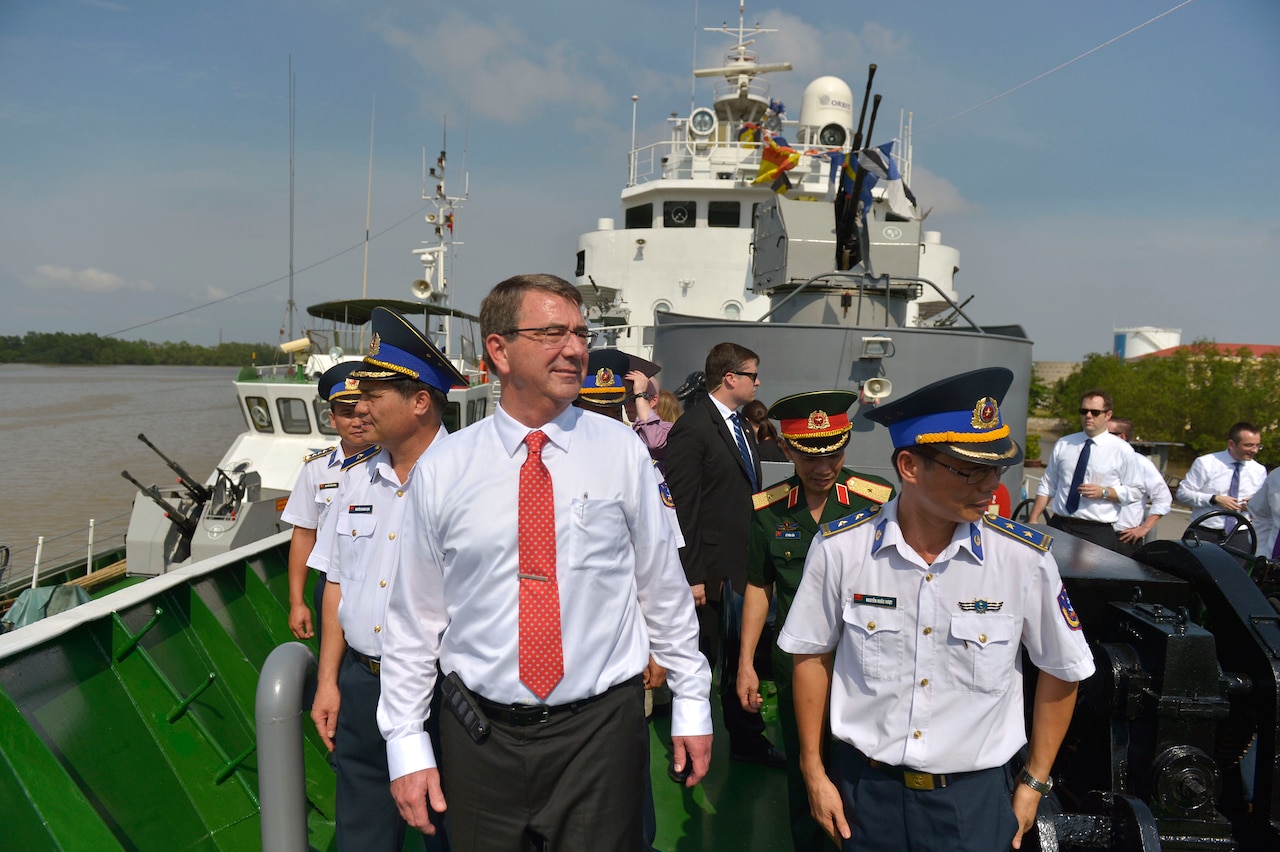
x=1095 y=412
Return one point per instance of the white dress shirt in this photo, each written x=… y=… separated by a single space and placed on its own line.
x=315 y=489
x=1209 y=476
x=623 y=593
x=358 y=546
x=928 y=662
x=727 y=413
x=1150 y=487
x=1110 y=461
x=1264 y=505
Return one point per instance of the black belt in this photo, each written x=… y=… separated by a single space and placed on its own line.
x=1067 y=520
x=373 y=664
x=916 y=780
x=537 y=714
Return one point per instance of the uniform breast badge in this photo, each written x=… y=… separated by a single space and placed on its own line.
x=981 y=606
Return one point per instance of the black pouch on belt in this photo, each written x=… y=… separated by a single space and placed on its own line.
x=464 y=705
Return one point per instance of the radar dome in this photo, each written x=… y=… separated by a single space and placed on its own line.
x=826 y=113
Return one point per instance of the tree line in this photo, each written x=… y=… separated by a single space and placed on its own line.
x=1190 y=397
x=62 y=348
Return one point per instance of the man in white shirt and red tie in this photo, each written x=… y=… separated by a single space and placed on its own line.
x=1084 y=481
x=1225 y=480
x=540 y=572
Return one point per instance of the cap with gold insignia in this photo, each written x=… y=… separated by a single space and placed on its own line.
x=815 y=423
x=605 y=383
x=336 y=384
x=959 y=416
x=398 y=350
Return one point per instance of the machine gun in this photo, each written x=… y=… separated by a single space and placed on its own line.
x=198 y=492
x=185 y=523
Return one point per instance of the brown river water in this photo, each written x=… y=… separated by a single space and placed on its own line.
x=71 y=430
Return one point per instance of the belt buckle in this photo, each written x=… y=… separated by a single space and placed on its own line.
x=917 y=780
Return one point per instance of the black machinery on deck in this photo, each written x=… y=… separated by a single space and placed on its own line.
x=1186 y=637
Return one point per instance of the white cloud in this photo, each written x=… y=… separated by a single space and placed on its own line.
x=498 y=69
x=84 y=281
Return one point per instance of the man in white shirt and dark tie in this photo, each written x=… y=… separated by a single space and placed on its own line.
x=1084 y=481
x=1225 y=480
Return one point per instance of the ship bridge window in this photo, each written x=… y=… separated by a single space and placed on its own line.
x=293 y=416
x=640 y=216
x=679 y=214
x=451 y=417
x=581 y=269
x=259 y=413
x=724 y=214
x=321 y=408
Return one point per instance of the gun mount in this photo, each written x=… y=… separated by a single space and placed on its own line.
x=1187 y=647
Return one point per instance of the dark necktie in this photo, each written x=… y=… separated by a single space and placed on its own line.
x=1229 y=524
x=541 y=650
x=743 y=451
x=1077 y=478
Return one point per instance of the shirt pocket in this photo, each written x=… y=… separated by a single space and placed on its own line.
x=355 y=544
x=599 y=539
x=876 y=635
x=981 y=651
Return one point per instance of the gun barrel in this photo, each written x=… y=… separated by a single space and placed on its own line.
x=198 y=491
x=181 y=521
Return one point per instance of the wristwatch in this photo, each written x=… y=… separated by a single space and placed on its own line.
x=1041 y=787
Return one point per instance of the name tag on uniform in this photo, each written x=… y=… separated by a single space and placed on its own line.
x=324 y=485
x=360 y=510
x=876 y=600
x=786 y=534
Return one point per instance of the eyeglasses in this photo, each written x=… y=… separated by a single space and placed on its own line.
x=555 y=336
x=1095 y=412
x=752 y=376
x=971 y=477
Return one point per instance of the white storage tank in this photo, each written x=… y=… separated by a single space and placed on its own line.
x=1143 y=340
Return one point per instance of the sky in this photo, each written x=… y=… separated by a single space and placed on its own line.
x=144 y=150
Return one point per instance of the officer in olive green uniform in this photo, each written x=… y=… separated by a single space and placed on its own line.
x=815 y=430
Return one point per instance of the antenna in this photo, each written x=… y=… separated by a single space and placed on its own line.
x=292 y=86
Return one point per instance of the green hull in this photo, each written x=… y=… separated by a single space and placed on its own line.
x=128 y=724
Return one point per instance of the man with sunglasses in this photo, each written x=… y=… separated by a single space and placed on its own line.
x=909 y=626
x=1085 y=480
x=713 y=468
x=1225 y=480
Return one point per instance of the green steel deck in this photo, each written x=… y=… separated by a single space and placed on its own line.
x=134 y=730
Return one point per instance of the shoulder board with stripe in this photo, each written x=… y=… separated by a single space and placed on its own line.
x=1025 y=534
x=770 y=495
x=327 y=451
x=361 y=457
x=848 y=522
x=875 y=491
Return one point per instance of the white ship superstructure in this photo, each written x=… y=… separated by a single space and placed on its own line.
x=685 y=240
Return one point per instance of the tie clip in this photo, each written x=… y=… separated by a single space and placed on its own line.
x=532 y=577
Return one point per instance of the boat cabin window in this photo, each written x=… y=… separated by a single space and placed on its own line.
x=259 y=413
x=293 y=416
x=321 y=408
x=724 y=214
x=450 y=419
x=679 y=214
x=476 y=410
x=640 y=216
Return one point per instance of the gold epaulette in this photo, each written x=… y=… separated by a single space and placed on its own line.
x=875 y=491
x=327 y=451
x=1020 y=532
x=848 y=522
x=770 y=495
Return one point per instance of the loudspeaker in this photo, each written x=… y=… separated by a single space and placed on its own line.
x=876 y=389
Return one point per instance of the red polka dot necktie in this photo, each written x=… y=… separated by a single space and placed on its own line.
x=541 y=654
